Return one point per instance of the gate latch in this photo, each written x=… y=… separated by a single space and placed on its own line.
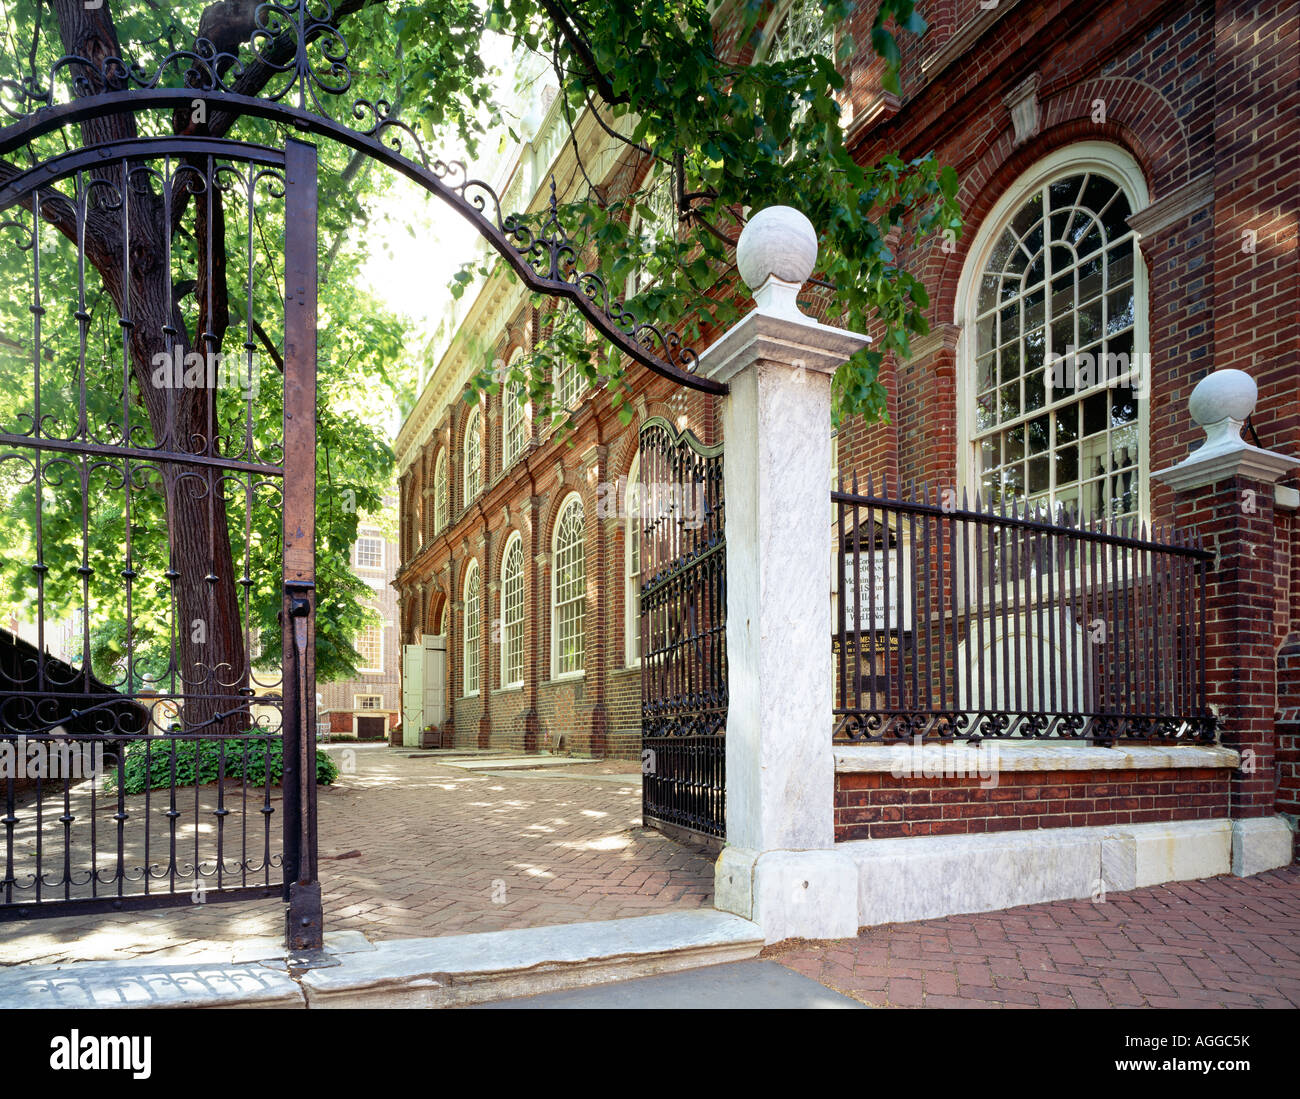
x=299 y=604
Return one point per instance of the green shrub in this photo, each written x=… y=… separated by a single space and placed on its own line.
x=148 y=764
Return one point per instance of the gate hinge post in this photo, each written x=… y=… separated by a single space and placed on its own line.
x=781 y=868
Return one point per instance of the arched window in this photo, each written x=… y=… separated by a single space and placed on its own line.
x=632 y=563
x=568 y=381
x=512 y=612
x=514 y=401
x=659 y=200
x=440 y=501
x=473 y=455
x=1054 y=340
x=472 y=629
x=569 y=589
x=801 y=32
x=568 y=385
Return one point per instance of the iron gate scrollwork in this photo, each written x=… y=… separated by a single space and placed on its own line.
x=683 y=630
x=115 y=259
x=157 y=472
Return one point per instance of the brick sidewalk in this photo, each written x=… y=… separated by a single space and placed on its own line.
x=413 y=847
x=1224 y=942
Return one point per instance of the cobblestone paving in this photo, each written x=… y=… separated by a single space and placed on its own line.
x=412 y=847
x=1223 y=942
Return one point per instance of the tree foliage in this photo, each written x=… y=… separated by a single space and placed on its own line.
x=731 y=136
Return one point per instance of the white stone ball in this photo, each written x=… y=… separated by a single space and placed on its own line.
x=1223 y=394
x=780 y=241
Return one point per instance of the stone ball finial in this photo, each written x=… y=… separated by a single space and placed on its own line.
x=780 y=241
x=1225 y=394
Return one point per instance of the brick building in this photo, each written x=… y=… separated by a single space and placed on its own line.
x=1134 y=171
x=369 y=706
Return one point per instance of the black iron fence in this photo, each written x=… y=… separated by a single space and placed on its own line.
x=956 y=620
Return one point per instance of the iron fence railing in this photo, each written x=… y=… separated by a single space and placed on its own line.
x=959 y=620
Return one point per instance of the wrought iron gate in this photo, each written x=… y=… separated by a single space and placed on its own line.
x=157 y=474
x=683 y=631
x=145 y=409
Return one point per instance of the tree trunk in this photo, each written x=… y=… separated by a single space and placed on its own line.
x=211 y=667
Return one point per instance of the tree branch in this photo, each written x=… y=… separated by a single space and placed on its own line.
x=581 y=49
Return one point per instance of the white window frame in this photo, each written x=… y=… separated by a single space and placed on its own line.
x=515 y=541
x=1120 y=167
x=358 y=705
x=658 y=184
x=472 y=481
x=779 y=20
x=562 y=513
x=632 y=579
x=768 y=51
x=472 y=631
x=372 y=536
x=441 y=492
x=376 y=669
x=518 y=425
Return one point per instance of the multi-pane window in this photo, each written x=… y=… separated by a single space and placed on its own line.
x=1059 y=355
x=370 y=647
x=473 y=455
x=569 y=602
x=659 y=199
x=569 y=384
x=368 y=552
x=472 y=629
x=515 y=416
x=512 y=613
x=440 y=502
x=368 y=702
x=802 y=32
x=632 y=563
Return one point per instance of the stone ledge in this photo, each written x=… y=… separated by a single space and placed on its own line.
x=991 y=757
x=928 y=877
x=134 y=983
x=465 y=969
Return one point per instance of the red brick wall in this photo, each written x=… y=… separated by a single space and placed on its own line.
x=877 y=806
x=599 y=713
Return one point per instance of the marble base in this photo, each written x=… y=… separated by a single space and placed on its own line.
x=1259 y=844
x=790 y=894
x=926 y=877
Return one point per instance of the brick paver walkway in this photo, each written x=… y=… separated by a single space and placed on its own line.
x=412 y=847
x=1224 y=942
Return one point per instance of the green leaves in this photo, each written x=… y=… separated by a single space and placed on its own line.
x=150 y=764
x=737 y=136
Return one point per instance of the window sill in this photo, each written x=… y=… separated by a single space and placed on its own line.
x=567 y=677
x=514 y=688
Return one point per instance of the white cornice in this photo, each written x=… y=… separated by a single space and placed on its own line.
x=502 y=294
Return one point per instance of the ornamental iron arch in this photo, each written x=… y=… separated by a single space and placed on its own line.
x=231 y=840
x=299 y=61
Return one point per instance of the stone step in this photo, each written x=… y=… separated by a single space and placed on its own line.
x=470 y=969
x=442 y=972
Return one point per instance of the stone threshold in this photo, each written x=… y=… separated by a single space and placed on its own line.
x=435 y=972
x=993 y=756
